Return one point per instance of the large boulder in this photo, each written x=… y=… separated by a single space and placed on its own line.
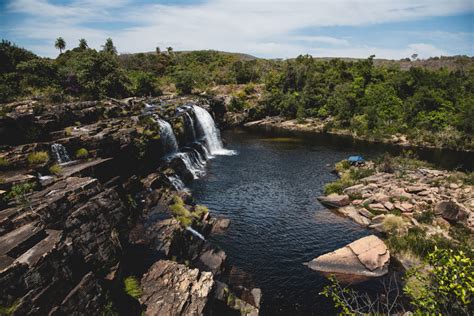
x=335 y=200
x=170 y=288
x=452 y=211
x=365 y=257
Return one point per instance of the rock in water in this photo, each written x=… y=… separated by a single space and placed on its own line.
x=365 y=257
x=170 y=288
x=335 y=200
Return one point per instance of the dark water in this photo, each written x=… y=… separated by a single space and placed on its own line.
x=269 y=191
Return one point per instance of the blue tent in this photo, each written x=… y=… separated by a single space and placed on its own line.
x=356 y=159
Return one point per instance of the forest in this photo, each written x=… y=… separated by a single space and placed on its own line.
x=372 y=100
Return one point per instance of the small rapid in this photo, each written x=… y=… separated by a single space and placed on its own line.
x=60 y=153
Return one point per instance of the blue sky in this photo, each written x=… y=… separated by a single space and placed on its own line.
x=264 y=28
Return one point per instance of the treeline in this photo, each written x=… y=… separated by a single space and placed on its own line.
x=86 y=73
x=429 y=106
x=433 y=107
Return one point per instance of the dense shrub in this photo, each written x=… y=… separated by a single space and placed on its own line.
x=82 y=153
x=38 y=158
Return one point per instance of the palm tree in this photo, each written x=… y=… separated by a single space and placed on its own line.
x=60 y=44
x=109 y=46
x=83 y=44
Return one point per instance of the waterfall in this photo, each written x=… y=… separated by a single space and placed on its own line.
x=190 y=129
x=60 y=153
x=195 y=233
x=177 y=183
x=167 y=136
x=192 y=163
x=212 y=135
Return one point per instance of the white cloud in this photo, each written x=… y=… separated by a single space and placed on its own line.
x=268 y=28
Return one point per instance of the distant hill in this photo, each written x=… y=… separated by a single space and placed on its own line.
x=434 y=63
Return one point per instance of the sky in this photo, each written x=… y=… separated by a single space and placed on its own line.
x=263 y=28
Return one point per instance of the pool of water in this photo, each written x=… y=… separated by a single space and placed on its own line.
x=269 y=191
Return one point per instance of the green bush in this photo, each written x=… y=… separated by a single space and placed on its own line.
x=55 y=169
x=38 y=158
x=200 y=210
x=334 y=187
x=132 y=287
x=425 y=217
x=393 y=223
x=184 y=82
x=4 y=163
x=19 y=192
x=82 y=153
x=449 y=287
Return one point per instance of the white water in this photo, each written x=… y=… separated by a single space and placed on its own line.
x=190 y=126
x=212 y=135
x=194 y=166
x=177 y=183
x=168 y=137
x=60 y=153
x=195 y=233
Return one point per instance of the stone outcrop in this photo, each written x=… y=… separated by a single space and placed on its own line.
x=335 y=200
x=452 y=211
x=170 y=288
x=366 y=257
x=69 y=235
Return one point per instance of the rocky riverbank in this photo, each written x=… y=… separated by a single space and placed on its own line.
x=92 y=194
x=411 y=205
x=315 y=125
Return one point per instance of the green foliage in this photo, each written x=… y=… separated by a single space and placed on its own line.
x=348 y=177
x=4 y=163
x=60 y=44
x=91 y=75
x=179 y=210
x=82 y=153
x=109 y=47
x=38 y=158
x=200 y=210
x=19 y=192
x=429 y=106
x=132 y=287
x=183 y=215
x=55 y=169
x=337 y=294
x=416 y=242
x=342 y=165
x=393 y=223
x=425 y=217
x=184 y=82
x=144 y=84
x=236 y=104
x=9 y=310
x=449 y=287
x=83 y=44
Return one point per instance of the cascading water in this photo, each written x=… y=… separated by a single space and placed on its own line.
x=60 y=153
x=177 y=183
x=195 y=233
x=189 y=127
x=194 y=165
x=168 y=137
x=212 y=136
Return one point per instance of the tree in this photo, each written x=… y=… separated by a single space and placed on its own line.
x=414 y=56
x=169 y=50
x=109 y=47
x=158 y=50
x=144 y=84
x=83 y=44
x=60 y=44
x=184 y=82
